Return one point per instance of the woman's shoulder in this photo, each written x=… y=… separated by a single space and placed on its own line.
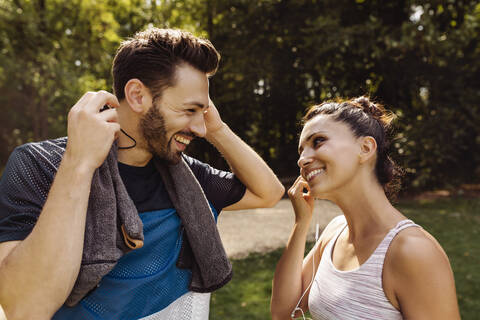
x=414 y=249
x=417 y=276
x=415 y=241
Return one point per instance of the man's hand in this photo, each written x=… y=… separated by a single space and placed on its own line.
x=263 y=188
x=91 y=132
x=37 y=274
x=213 y=122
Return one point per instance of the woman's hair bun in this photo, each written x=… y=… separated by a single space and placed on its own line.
x=375 y=110
x=370 y=107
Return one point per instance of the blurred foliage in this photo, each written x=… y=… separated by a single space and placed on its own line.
x=419 y=58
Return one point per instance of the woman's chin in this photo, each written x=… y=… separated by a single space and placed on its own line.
x=321 y=192
x=318 y=194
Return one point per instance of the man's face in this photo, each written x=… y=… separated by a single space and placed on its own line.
x=178 y=116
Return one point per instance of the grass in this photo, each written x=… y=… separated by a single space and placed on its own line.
x=454 y=222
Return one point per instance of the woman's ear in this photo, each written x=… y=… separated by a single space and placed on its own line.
x=138 y=96
x=368 y=148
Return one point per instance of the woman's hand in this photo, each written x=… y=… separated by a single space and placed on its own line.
x=302 y=202
x=289 y=281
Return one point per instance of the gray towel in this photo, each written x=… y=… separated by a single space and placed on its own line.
x=202 y=249
x=113 y=228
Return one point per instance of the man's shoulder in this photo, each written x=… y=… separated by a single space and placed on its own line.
x=45 y=154
x=50 y=146
x=46 y=148
x=31 y=169
x=196 y=165
x=191 y=161
x=202 y=169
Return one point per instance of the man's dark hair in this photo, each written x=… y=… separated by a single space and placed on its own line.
x=153 y=55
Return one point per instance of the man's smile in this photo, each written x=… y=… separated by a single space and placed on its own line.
x=181 y=139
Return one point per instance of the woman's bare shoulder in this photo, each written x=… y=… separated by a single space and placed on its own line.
x=415 y=243
x=421 y=277
x=415 y=255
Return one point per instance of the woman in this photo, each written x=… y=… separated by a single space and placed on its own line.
x=371 y=262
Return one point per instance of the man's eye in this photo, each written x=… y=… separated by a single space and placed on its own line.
x=191 y=110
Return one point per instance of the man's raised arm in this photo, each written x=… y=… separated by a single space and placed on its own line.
x=263 y=187
x=38 y=273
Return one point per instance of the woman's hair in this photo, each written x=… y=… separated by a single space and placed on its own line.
x=366 y=118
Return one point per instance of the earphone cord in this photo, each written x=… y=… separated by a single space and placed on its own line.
x=311 y=282
x=134 y=141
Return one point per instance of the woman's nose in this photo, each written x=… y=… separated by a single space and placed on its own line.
x=303 y=161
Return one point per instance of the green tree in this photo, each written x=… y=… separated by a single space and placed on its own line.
x=420 y=58
x=52 y=51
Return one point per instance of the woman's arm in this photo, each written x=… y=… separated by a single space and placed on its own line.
x=293 y=273
x=288 y=279
x=423 y=280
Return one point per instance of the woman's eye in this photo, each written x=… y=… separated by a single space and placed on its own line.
x=318 y=141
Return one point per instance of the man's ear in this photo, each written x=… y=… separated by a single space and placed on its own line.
x=138 y=96
x=368 y=148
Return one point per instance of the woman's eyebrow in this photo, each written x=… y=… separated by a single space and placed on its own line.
x=300 y=148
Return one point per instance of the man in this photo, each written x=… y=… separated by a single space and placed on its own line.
x=161 y=103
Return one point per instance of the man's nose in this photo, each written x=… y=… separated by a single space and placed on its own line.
x=197 y=126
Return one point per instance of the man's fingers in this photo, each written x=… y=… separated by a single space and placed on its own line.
x=86 y=97
x=114 y=126
x=83 y=100
x=100 y=99
x=109 y=115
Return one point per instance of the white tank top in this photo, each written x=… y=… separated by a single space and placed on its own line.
x=353 y=294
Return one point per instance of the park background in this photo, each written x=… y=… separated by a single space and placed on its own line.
x=419 y=58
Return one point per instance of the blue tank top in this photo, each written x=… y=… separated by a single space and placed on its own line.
x=145 y=280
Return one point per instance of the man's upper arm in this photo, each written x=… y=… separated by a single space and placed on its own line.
x=6 y=248
x=23 y=191
x=248 y=201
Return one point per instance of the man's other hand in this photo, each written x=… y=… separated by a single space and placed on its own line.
x=213 y=122
x=91 y=132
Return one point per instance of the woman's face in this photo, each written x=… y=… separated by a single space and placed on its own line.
x=329 y=156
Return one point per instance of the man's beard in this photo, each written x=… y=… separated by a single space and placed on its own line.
x=152 y=126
